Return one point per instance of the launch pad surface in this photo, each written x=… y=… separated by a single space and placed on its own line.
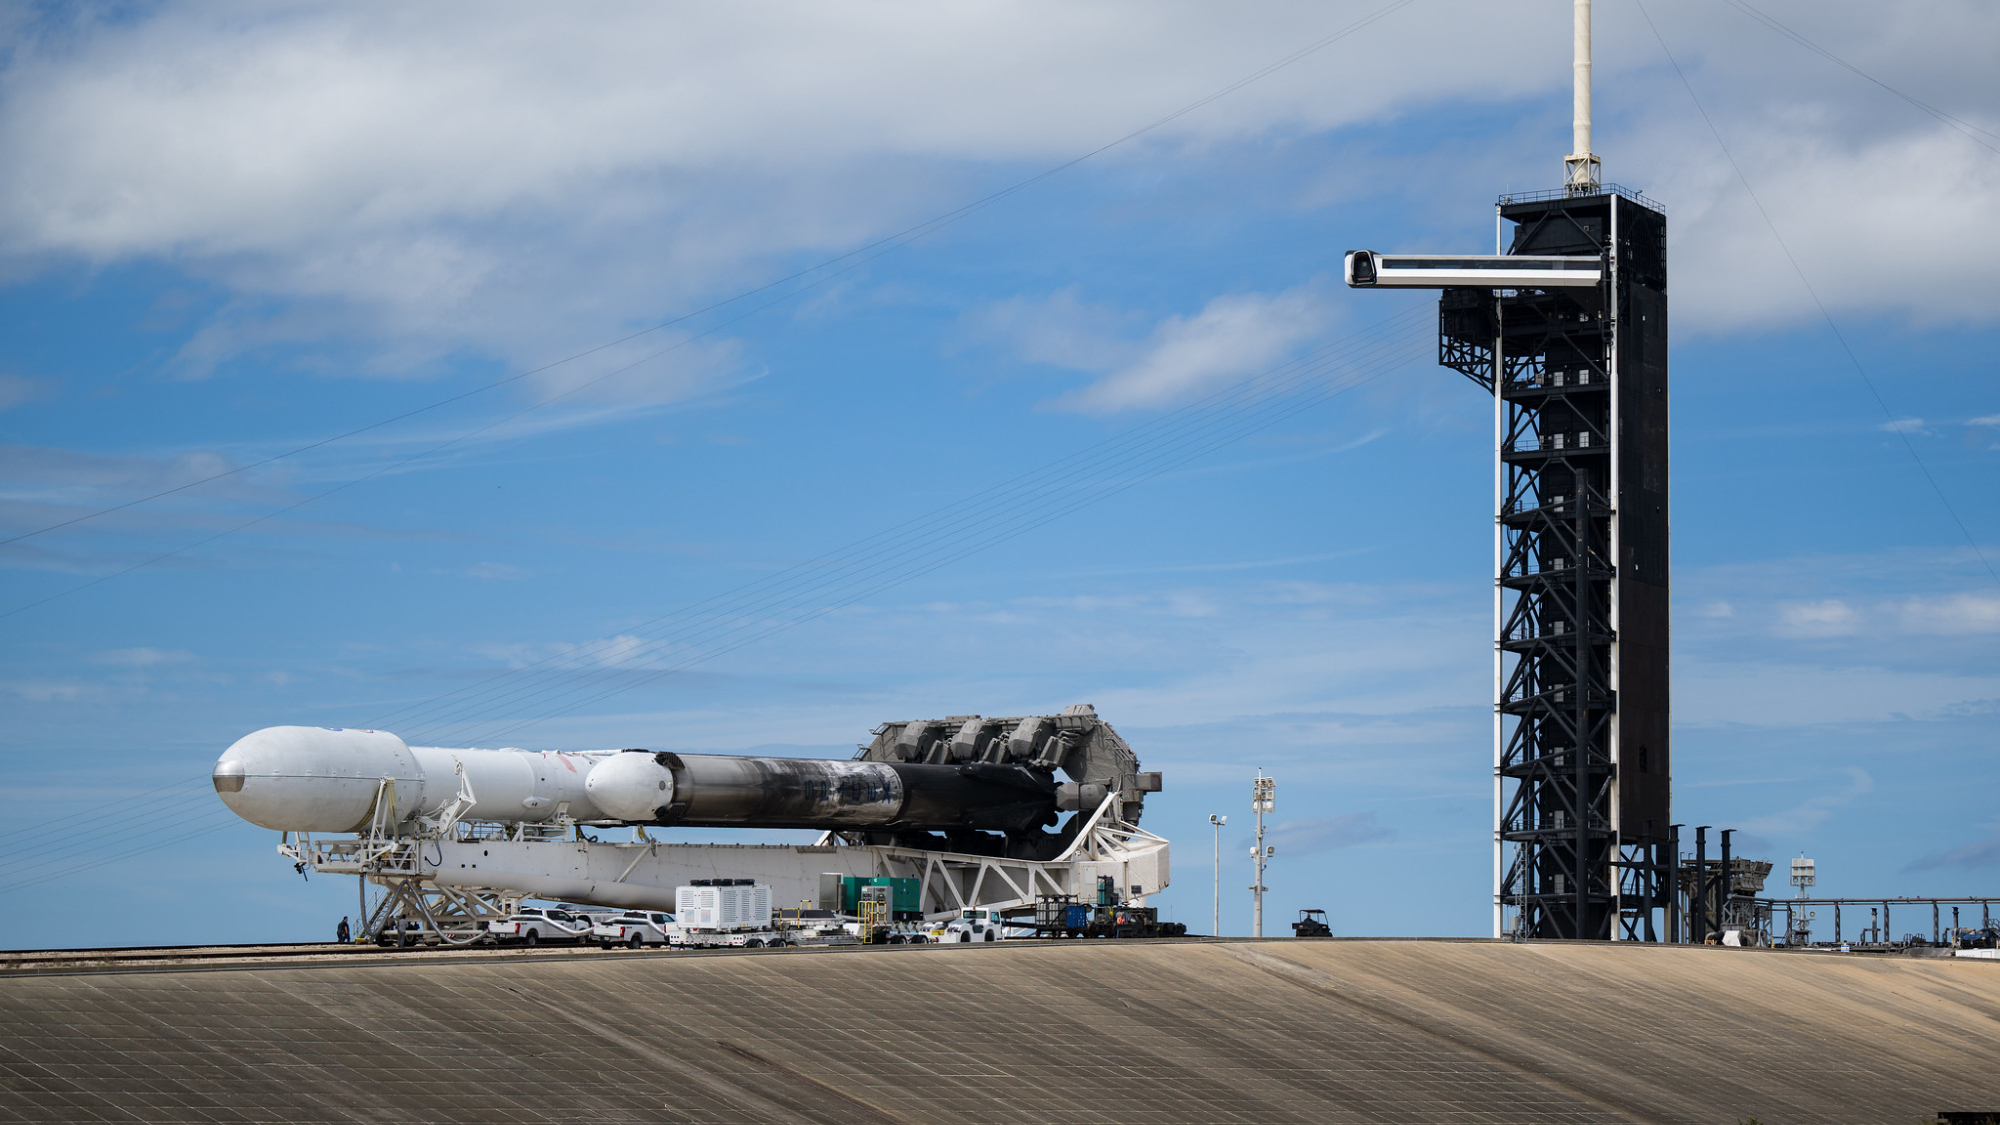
x=1128 y=1032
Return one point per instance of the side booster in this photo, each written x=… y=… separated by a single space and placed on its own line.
x=321 y=779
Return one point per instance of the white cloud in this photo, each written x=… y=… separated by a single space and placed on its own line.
x=1827 y=617
x=141 y=657
x=1905 y=426
x=1988 y=420
x=620 y=651
x=526 y=182
x=1061 y=329
x=35 y=473
x=1323 y=834
x=1811 y=812
x=1770 y=691
x=1231 y=337
x=404 y=185
x=50 y=691
x=18 y=389
x=1978 y=854
x=496 y=571
x=1950 y=614
x=1813 y=181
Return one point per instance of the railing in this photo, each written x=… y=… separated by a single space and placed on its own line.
x=1638 y=197
x=1535 y=443
x=1879 y=928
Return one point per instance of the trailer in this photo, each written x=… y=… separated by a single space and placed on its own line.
x=1110 y=917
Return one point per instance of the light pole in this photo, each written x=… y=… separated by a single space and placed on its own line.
x=1798 y=931
x=1217 y=822
x=1803 y=875
x=1263 y=796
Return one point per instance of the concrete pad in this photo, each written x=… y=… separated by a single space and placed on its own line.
x=1199 y=1031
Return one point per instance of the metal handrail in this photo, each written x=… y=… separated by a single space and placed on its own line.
x=1635 y=196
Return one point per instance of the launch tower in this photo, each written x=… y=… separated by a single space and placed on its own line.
x=1566 y=327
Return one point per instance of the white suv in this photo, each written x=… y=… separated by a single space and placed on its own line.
x=637 y=928
x=535 y=925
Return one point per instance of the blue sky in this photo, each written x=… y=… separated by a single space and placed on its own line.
x=230 y=231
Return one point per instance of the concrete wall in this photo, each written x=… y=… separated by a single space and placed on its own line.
x=1350 y=1031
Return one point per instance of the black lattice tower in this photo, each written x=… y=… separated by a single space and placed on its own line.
x=1565 y=325
x=1582 y=754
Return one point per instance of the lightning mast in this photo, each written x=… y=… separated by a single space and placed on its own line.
x=1581 y=171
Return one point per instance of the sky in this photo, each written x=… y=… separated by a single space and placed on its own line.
x=739 y=377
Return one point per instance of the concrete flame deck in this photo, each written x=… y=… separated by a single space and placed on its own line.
x=1131 y=1033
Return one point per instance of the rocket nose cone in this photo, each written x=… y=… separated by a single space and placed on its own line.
x=314 y=779
x=228 y=776
x=635 y=785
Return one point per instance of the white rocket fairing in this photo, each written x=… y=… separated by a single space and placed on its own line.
x=327 y=779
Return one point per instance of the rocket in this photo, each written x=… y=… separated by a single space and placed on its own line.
x=331 y=779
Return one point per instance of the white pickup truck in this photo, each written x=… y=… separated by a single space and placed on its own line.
x=637 y=928
x=534 y=925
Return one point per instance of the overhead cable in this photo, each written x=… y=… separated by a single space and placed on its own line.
x=871 y=250
x=805 y=594
x=913 y=537
x=1148 y=451
x=1972 y=132
x=1854 y=360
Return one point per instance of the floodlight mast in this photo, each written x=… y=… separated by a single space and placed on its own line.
x=1215 y=888
x=1581 y=170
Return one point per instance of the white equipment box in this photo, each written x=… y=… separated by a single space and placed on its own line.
x=726 y=906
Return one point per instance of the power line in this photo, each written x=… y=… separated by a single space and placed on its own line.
x=98 y=810
x=1155 y=453
x=907 y=544
x=203 y=827
x=909 y=536
x=1965 y=127
x=61 y=849
x=852 y=596
x=1825 y=315
x=884 y=245
x=461 y=438
x=866 y=253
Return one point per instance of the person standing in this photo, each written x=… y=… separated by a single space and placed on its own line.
x=345 y=934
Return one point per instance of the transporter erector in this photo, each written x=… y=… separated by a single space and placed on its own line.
x=984 y=812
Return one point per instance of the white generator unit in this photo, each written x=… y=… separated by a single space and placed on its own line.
x=723 y=906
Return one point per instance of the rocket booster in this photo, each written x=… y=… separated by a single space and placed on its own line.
x=324 y=779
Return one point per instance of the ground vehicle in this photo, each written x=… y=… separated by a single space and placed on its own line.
x=974 y=924
x=535 y=925
x=1311 y=923
x=636 y=928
